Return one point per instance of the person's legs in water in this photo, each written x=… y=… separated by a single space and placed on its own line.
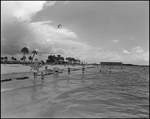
x=56 y=72
x=42 y=76
x=82 y=72
x=35 y=76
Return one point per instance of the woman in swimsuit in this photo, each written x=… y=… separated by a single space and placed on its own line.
x=35 y=68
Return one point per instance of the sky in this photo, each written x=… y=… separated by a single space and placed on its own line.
x=92 y=31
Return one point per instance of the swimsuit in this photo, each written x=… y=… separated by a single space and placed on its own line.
x=34 y=71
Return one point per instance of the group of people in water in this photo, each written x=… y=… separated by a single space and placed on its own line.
x=36 y=65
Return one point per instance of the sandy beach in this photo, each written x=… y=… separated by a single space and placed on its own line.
x=121 y=93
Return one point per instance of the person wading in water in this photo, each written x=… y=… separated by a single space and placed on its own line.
x=68 y=70
x=83 y=69
x=35 y=69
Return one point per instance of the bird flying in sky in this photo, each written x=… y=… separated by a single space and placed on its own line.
x=59 y=25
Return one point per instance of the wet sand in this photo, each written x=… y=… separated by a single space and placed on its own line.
x=121 y=93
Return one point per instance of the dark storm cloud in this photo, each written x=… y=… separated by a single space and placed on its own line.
x=15 y=35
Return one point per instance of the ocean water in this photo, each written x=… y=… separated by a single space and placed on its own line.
x=123 y=93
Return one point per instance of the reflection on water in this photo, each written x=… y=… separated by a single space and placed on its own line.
x=83 y=79
x=35 y=90
x=82 y=95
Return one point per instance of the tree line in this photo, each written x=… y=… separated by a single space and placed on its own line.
x=24 y=51
x=51 y=59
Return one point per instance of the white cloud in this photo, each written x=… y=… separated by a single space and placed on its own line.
x=38 y=50
x=52 y=32
x=50 y=3
x=15 y=34
x=137 y=49
x=115 y=41
x=23 y=10
x=131 y=38
x=136 y=55
x=125 y=52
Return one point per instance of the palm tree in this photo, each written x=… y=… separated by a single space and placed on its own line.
x=30 y=58
x=12 y=58
x=21 y=58
x=55 y=59
x=24 y=51
x=34 y=52
x=61 y=59
x=58 y=58
x=2 y=59
x=50 y=58
x=79 y=61
x=68 y=59
x=15 y=59
x=72 y=60
x=6 y=58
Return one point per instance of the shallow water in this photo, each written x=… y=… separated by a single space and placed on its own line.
x=123 y=93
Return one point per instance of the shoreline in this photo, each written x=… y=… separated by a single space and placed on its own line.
x=21 y=76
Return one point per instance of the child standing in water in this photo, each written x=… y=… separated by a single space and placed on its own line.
x=83 y=69
x=68 y=70
x=46 y=71
x=35 y=68
x=56 y=71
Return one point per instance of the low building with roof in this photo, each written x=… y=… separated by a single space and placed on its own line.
x=111 y=63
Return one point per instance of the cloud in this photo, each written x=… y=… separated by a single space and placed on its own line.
x=125 y=52
x=50 y=3
x=137 y=49
x=38 y=50
x=52 y=32
x=115 y=41
x=17 y=32
x=137 y=58
x=134 y=50
x=23 y=10
x=131 y=38
x=136 y=55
